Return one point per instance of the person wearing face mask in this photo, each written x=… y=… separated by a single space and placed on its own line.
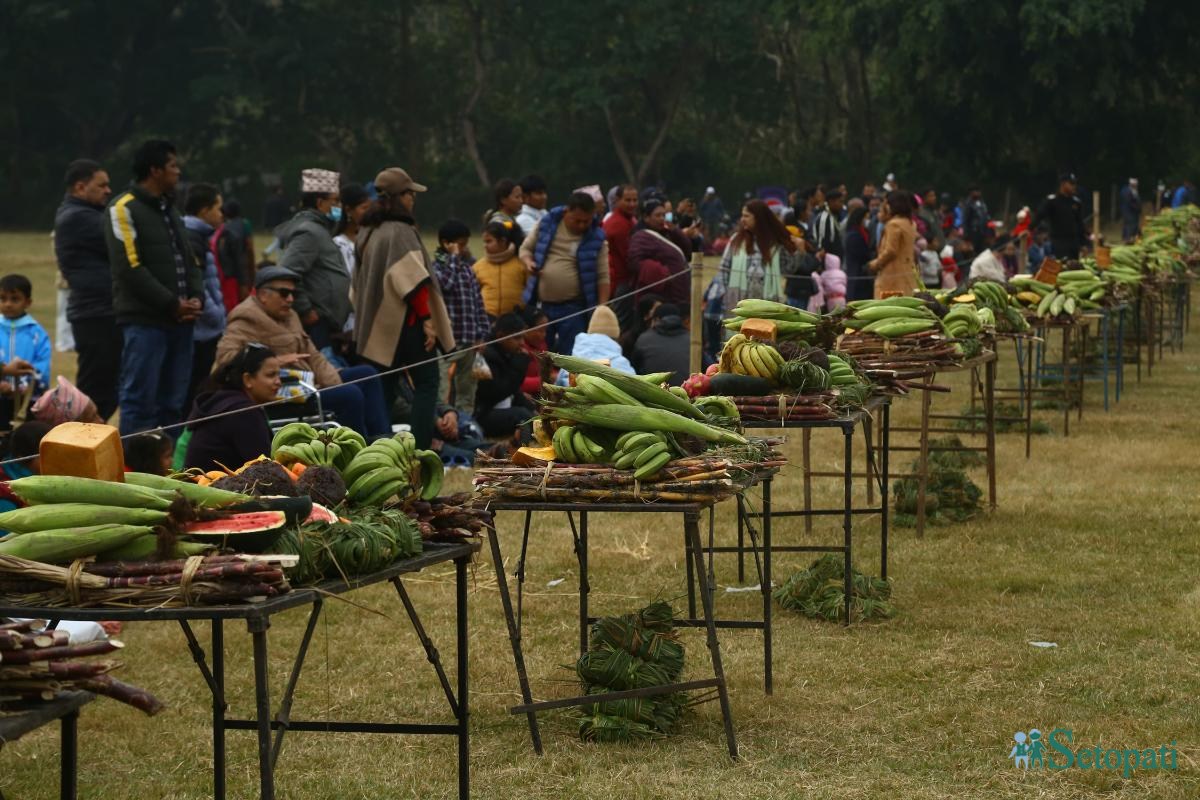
x=323 y=300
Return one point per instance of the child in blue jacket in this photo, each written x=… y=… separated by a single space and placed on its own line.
x=21 y=336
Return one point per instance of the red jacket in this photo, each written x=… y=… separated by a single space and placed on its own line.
x=617 y=230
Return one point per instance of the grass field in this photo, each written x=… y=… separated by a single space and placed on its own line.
x=1093 y=547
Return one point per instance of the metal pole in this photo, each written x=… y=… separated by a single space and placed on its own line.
x=697 y=313
x=464 y=738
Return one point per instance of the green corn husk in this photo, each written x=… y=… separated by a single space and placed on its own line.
x=650 y=393
x=145 y=548
x=203 y=496
x=68 y=544
x=51 y=489
x=71 y=515
x=627 y=418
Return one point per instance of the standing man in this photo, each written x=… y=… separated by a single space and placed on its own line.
x=928 y=212
x=157 y=291
x=567 y=259
x=83 y=260
x=323 y=297
x=712 y=211
x=1131 y=211
x=618 y=228
x=1184 y=194
x=976 y=218
x=1064 y=214
x=826 y=234
x=533 y=208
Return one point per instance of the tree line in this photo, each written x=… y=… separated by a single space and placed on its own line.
x=682 y=94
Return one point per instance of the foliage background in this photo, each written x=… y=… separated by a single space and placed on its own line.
x=684 y=94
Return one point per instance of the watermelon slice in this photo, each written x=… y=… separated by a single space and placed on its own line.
x=320 y=514
x=250 y=532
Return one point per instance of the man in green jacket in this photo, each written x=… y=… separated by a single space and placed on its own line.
x=157 y=292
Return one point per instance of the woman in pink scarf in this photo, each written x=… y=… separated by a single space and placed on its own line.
x=65 y=403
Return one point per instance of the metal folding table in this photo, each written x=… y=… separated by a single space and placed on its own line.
x=695 y=567
x=258 y=621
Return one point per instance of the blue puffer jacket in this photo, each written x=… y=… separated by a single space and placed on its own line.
x=586 y=256
x=211 y=322
x=25 y=338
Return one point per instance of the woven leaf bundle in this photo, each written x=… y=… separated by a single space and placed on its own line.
x=818 y=592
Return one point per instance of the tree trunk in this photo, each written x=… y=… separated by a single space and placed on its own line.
x=475 y=19
x=619 y=144
x=663 y=130
x=868 y=114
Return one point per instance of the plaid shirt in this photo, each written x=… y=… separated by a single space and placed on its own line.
x=460 y=291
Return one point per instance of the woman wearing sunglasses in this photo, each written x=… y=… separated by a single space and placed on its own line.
x=240 y=432
x=267 y=317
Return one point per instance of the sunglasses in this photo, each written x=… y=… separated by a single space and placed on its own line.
x=284 y=293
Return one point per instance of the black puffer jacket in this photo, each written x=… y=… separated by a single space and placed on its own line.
x=83 y=258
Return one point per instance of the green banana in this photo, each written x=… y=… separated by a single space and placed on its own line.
x=650 y=452
x=652 y=467
x=626 y=458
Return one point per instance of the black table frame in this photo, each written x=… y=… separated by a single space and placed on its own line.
x=877 y=470
x=63 y=707
x=695 y=566
x=258 y=621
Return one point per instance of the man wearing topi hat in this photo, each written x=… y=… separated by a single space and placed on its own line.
x=323 y=296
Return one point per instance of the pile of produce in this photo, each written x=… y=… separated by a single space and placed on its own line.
x=453 y=519
x=995 y=306
x=891 y=318
x=633 y=651
x=778 y=322
x=819 y=592
x=197 y=580
x=1084 y=287
x=345 y=548
x=950 y=495
x=384 y=472
x=37 y=664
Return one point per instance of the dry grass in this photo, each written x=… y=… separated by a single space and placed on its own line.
x=1092 y=547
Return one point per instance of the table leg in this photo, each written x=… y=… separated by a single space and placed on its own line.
x=691 y=527
x=741 y=538
x=806 y=452
x=514 y=636
x=262 y=705
x=464 y=738
x=218 y=708
x=923 y=457
x=885 y=504
x=1028 y=397
x=520 y=573
x=1082 y=363
x=289 y=692
x=768 y=678
x=1066 y=379
x=989 y=410
x=69 y=762
x=848 y=516
x=584 y=587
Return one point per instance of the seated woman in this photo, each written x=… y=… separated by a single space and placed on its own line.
x=501 y=408
x=267 y=317
x=246 y=381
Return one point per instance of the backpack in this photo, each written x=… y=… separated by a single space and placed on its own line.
x=228 y=251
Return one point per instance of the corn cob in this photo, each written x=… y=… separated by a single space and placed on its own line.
x=67 y=544
x=50 y=489
x=624 y=418
x=72 y=515
x=203 y=496
x=640 y=389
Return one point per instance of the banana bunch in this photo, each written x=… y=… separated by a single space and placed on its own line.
x=301 y=442
x=573 y=445
x=643 y=452
x=895 y=316
x=384 y=469
x=718 y=406
x=1030 y=291
x=744 y=356
x=965 y=320
x=988 y=293
x=841 y=371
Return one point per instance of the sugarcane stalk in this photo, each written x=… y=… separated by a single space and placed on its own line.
x=12 y=640
x=124 y=692
x=23 y=625
x=126 y=568
x=66 y=651
x=60 y=670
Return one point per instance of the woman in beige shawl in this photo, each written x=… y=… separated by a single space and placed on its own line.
x=400 y=318
x=895 y=267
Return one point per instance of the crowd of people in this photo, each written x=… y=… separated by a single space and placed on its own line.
x=180 y=327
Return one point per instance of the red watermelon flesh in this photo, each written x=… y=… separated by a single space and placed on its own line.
x=321 y=514
x=246 y=522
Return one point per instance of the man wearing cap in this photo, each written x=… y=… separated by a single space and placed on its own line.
x=1063 y=212
x=267 y=317
x=400 y=317
x=157 y=292
x=323 y=298
x=1131 y=211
